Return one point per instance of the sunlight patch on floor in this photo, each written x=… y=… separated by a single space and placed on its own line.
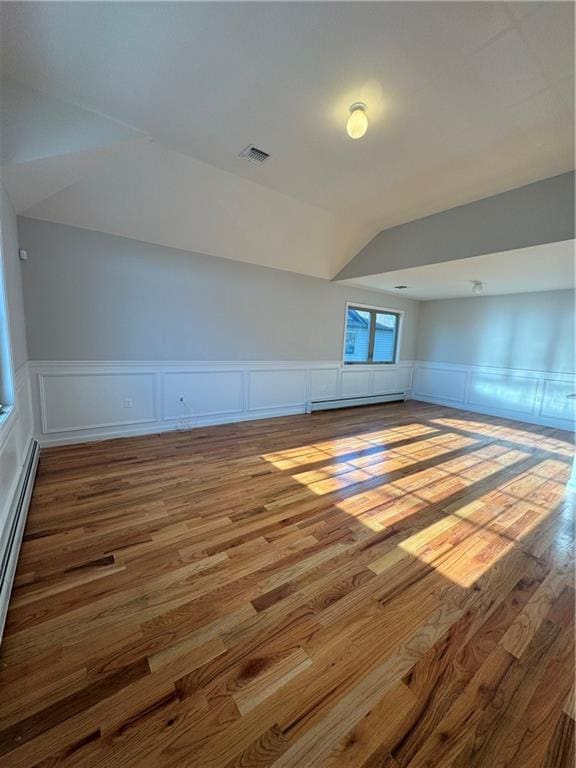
x=474 y=532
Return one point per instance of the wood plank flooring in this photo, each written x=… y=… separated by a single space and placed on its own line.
x=382 y=587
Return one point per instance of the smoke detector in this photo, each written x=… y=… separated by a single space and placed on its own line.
x=254 y=154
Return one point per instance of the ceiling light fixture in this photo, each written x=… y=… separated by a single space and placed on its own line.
x=357 y=124
x=477 y=287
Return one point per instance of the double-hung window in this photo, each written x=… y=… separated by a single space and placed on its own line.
x=371 y=335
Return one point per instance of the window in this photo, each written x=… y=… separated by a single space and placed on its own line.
x=371 y=335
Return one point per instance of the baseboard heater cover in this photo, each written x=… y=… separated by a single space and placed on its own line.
x=12 y=538
x=348 y=402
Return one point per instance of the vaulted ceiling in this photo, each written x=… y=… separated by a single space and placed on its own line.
x=129 y=117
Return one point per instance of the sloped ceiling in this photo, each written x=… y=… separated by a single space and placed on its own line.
x=548 y=267
x=129 y=117
x=67 y=164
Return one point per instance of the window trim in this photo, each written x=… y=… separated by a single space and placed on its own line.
x=373 y=308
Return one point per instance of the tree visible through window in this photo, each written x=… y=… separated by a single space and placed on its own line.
x=371 y=335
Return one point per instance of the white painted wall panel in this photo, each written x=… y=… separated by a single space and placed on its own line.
x=83 y=401
x=356 y=382
x=539 y=397
x=391 y=380
x=10 y=463
x=324 y=383
x=73 y=401
x=439 y=383
x=204 y=392
x=15 y=434
x=511 y=393
x=555 y=401
x=274 y=389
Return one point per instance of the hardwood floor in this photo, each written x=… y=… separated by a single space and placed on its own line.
x=383 y=587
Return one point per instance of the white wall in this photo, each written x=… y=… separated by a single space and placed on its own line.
x=510 y=355
x=13 y=279
x=532 y=331
x=93 y=296
x=120 y=330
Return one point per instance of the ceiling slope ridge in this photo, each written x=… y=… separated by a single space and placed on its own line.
x=69 y=103
x=146 y=192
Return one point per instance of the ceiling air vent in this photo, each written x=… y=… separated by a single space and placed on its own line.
x=254 y=154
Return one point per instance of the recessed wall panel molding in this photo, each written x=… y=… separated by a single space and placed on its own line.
x=75 y=401
x=276 y=388
x=539 y=397
x=502 y=391
x=435 y=381
x=356 y=382
x=391 y=379
x=558 y=400
x=90 y=400
x=187 y=394
x=16 y=431
x=324 y=383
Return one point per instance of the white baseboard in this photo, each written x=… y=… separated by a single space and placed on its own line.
x=536 y=397
x=82 y=401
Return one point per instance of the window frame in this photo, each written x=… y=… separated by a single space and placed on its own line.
x=373 y=309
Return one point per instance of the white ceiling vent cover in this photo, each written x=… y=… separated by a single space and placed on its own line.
x=254 y=154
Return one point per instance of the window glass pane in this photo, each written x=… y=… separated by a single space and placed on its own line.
x=357 y=336
x=385 y=337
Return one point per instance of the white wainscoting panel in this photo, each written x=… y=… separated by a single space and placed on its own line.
x=539 y=397
x=79 y=401
x=497 y=390
x=324 y=383
x=205 y=393
x=434 y=381
x=10 y=464
x=356 y=382
x=276 y=389
x=16 y=432
x=556 y=403
x=74 y=401
x=396 y=379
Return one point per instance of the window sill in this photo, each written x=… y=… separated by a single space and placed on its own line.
x=376 y=362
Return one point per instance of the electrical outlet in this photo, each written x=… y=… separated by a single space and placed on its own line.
x=128 y=402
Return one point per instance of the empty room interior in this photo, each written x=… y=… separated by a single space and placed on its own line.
x=287 y=384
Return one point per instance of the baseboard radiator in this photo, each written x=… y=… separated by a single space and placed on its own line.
x=11 y=536
x=348 y=402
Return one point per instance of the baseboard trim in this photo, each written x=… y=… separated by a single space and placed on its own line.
x=17 y=514
x=349 y=402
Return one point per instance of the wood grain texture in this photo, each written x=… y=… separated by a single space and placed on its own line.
x=380 y=587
